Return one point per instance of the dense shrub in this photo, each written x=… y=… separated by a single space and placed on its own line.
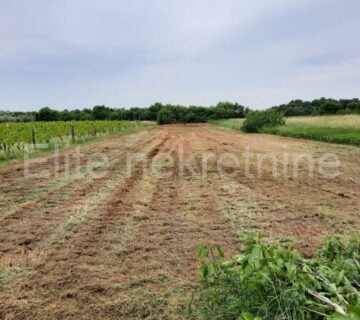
x=256 y=120
x=276 y=282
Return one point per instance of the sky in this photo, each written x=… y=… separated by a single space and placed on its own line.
x=80 y=53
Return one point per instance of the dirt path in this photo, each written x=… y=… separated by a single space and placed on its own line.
x=120 y=244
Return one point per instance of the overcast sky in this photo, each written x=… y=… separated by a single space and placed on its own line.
x=79 y=53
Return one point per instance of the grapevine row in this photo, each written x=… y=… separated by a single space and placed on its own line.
x=21 y=134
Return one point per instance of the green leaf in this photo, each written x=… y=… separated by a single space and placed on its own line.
x=248 y=316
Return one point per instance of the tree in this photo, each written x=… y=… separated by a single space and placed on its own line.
x=230 y=110
x=118 y=114
x=101 y=112
x=154 y=109
x=329 y=107
x=47 y=114
x=165 y=116
x=354 y=106
x=66 y=115
x=239 y=110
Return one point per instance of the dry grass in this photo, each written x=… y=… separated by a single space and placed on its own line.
x=336 y=121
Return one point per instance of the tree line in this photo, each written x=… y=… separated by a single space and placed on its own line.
x=162 y=113
x=168 y=113
x=322 y=106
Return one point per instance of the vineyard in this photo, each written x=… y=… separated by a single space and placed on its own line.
x=18 y=135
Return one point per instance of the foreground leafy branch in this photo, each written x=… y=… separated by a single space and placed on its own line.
x=276 y=282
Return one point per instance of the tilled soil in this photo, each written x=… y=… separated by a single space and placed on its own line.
x=90 y=241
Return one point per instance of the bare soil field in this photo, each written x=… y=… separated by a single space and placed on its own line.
x=121 y=244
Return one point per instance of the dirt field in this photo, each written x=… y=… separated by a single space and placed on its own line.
x=121 y=245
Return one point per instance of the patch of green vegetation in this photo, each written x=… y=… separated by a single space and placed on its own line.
x=255 y=121
x=275 y=282
x=343 y=129
x=258 y=120
x=20 y=147
x=234 y=124
x=343 y=135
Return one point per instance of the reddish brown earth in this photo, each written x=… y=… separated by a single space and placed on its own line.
x=115 y=245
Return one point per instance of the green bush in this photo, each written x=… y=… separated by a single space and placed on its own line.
x=165 y=116
x=257 y=120
x=276 y=282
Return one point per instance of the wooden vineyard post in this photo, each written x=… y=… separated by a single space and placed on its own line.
x=72 y=134
x=33 y=137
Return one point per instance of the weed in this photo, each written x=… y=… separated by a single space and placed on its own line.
x=276 y=282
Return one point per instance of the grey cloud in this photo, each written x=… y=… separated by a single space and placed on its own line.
x=127 y=53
